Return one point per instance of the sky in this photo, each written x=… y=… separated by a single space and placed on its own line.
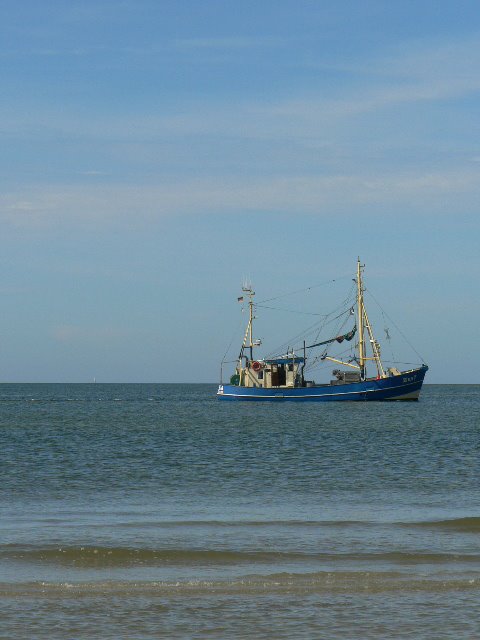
x=154 y=154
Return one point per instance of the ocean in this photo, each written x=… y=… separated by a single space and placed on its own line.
x=146 y=511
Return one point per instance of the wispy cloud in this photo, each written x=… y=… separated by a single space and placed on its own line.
x=423 y=72
x=232 y=42
x=430 y=192
x=411 y=76
x=341 y=116
x=183 y=46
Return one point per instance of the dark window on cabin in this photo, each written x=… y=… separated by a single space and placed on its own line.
x=290 y=367
x=274 y=379
x=282 y=375
x=260 y=375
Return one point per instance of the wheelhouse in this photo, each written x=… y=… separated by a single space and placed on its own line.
x=284 y=372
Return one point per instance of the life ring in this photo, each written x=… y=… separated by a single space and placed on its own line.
x=256 y=366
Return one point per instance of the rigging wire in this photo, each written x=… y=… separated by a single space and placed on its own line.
x=347 y=301
x=321 y=356
x=396 y=326
x=303 y=313
x=231 y=342
x=314 y=286
x=412 y=364
x=313 y=366
x=340 y=319
x=320 y=325
x=317 y=327
x=387 y=335
x=306 y=333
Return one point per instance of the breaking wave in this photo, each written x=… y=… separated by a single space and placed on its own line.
x=104 y=557
x=319 y=582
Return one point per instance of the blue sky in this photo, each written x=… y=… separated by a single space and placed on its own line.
x=156 y=153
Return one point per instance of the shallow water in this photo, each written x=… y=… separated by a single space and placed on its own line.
x=147 y=511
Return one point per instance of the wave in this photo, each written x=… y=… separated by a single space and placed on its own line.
x=466 y=524
x=111 y=557
x=462 y=525
x=166 y=524
x=318 y=582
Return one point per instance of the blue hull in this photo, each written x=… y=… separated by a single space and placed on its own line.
x=405 y=386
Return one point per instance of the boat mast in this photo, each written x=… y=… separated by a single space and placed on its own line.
x=361 y=336
x=375 y=347
x=250 y=305
x=248 y=338
x=363 y=322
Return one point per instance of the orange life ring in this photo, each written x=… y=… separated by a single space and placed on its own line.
x=256 y=366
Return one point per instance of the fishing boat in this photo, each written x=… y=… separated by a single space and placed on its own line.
x=364 y=375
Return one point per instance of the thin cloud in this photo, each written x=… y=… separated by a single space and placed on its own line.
x=133 y=205
x=429 y=74
x=232 y=42
x=331 y=124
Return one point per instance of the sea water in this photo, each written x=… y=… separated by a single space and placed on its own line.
x=156 y=511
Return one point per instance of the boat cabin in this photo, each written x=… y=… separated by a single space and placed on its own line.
x=279 y=372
